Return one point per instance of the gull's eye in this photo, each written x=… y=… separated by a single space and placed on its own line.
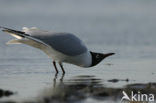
x=97 y=56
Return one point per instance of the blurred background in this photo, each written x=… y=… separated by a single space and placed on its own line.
x=126 y=27
x=102 y=22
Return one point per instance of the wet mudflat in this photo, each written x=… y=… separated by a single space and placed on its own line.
x=99 y=85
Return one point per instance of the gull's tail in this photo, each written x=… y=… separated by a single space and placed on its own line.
x=24 y=38
x=15 y=33
x=20 y=35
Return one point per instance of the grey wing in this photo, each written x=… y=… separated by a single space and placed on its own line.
x=65 y=43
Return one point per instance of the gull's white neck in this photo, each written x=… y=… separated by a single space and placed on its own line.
x=83 y=60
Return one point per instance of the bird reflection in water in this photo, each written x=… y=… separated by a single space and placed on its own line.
x=76 y=89
x=56 y=77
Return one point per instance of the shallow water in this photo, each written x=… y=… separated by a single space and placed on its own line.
x=124 y=27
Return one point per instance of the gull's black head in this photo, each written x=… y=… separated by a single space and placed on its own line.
x=98 y=57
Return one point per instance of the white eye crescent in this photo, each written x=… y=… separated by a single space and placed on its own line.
x=97 y=56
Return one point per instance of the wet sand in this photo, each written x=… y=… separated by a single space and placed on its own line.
x=82 y=89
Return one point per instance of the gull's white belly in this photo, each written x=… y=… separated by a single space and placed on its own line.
x=83 y=60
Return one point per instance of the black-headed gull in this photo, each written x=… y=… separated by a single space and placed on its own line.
x=60 y=46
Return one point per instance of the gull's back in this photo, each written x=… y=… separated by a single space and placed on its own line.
x=65 y=43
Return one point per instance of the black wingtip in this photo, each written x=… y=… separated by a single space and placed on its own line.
x=12 y=30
